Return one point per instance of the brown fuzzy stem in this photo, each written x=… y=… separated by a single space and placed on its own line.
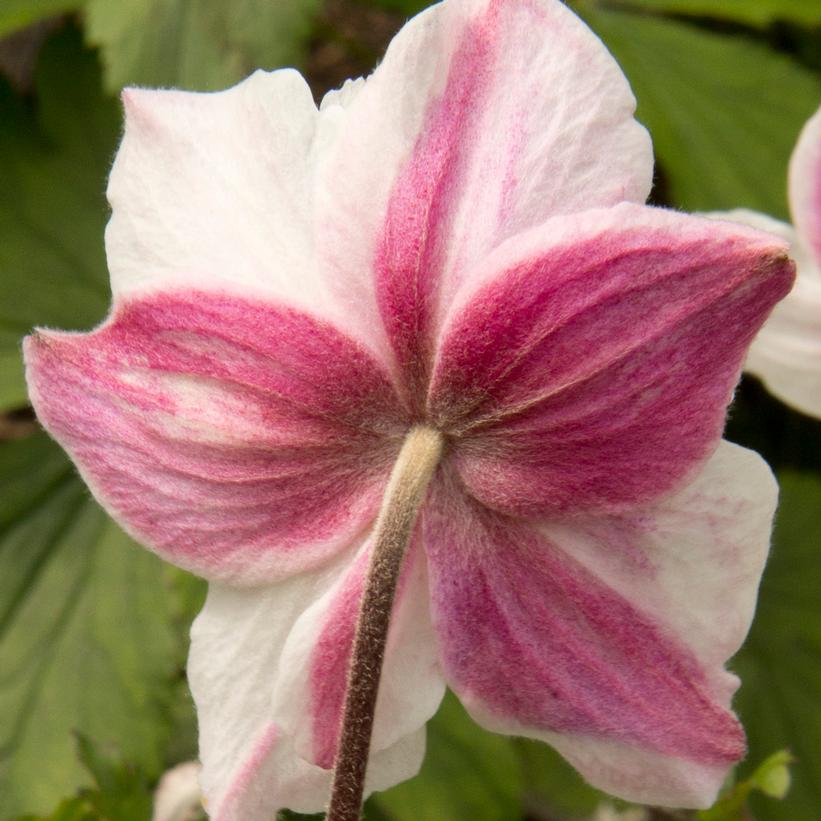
x=404 y=495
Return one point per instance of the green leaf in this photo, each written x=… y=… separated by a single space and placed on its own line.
x=780 y=665
x=15 y=14
x=197 y=44
x=552 y=788
x=12 y=384
x=120 y=793
x=72 y=809
x=55 y=157
x=468 y=773
x=87 y=632
x=724 y=111
x=771 y=777
x=752 y=12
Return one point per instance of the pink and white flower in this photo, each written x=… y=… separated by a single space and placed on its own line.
x=786 y=354
x=458 y=241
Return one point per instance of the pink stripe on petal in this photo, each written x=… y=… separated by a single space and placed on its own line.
x=593 y=368
x=243 y=780
x=460 y=139
x=412 y=249
x=238 y=439
x=411 y=686
x=330 y=660
x=528 y=634
x=310 y=694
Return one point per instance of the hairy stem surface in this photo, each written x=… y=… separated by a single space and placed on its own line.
x=404 y=495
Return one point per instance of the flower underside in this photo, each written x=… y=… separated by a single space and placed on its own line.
x=471 y=255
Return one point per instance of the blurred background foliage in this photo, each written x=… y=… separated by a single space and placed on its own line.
x=93 y=630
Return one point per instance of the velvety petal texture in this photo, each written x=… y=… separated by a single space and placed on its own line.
x=786 y=355
x=591 y=366
x=457 y=242
x=310 y=690
x=607 y=636
x=250 y=767
x=240 y=440
x=216 y=191
x=456 y=156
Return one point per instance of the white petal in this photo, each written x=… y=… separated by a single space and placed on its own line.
x=805 y=186
x=250 y=765
x=278 y=778
x=236 y=643
x=214 y=191
x=786 y=354
x=693 y=560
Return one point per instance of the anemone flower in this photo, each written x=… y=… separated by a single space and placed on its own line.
x=433 y=314
x=786 y=354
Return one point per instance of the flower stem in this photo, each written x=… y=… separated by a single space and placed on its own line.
x=404 y=495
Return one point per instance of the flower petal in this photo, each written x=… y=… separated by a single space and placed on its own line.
x=178 y=796
x=786 y=354
x=805 y=186
x=250 y=768
x=215 y=191
x=463 y=136
x=607 y=637
x=212 y=187
x=239 y=440
x=310 y=692
x=663 y=308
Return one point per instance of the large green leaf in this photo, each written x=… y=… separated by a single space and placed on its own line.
x=121 y=791
x=780 y=665
x=754 y=12
x=198 y=44
x=468 y=773
x=724 y=111
x=15 y=14
x=54 y=157
x=87 y=632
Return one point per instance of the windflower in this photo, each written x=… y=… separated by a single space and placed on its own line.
x=440 y=297
x=177 y=797
x=786 y=354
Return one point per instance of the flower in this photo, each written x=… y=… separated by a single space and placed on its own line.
x=458 y=243
x=177 y=797
x=786 y=354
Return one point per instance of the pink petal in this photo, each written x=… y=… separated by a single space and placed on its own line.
x=309 y=695
x=592 y=367
x=250 y=768
x=786 y=354
x=607 y=637
x=463 y=136
x=238 y=439
x=805 y=186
